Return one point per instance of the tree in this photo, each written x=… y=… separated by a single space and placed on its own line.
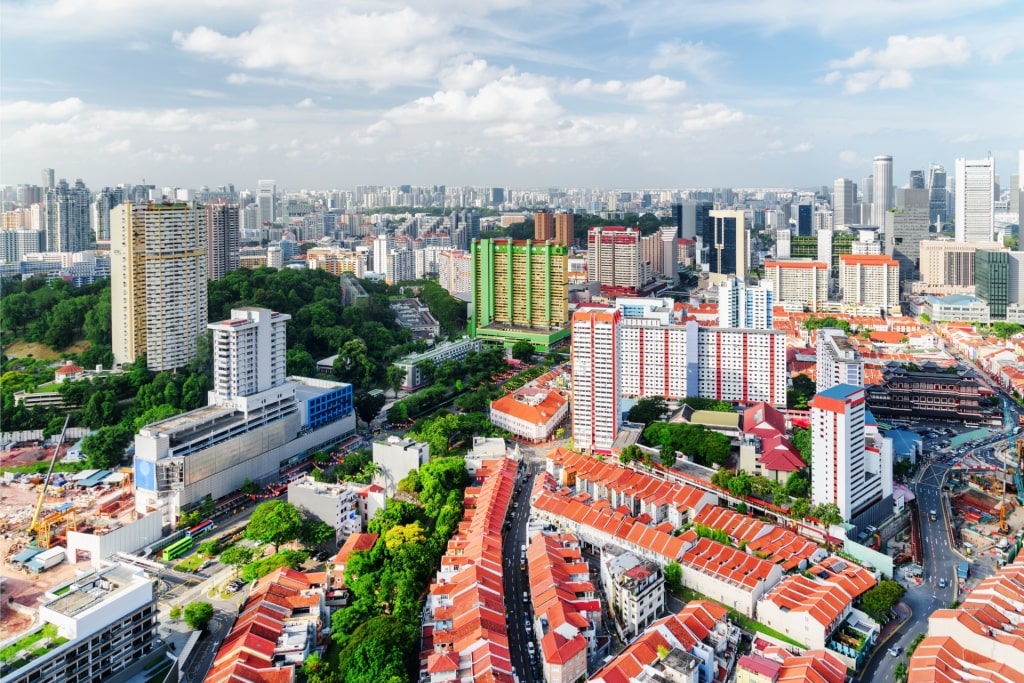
x=395 y=377
x=522 y=351
x=802 y=441
x=827 y=514
x=797 y=485
x=377 y=650
x=802 y=392
x=800 y=508
x=740 y=485
x=647 y=410
x=276 y=522
x=198 y=615
x=316 y=532
x=674 y=576
x=879 y=600
x=238 y=556
x=667 y=455
x=175 y=613
x=630 y=453
x=368 y=406
x=397 y=536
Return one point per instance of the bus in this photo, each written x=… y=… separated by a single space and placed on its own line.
x=177 y=549
x=200 y=529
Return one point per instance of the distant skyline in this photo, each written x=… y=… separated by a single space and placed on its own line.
x=513 y=93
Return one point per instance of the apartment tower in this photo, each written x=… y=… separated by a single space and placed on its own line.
x=222 y=239
x=974 y=215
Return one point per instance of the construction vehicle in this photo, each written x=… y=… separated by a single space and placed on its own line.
x=36 y=525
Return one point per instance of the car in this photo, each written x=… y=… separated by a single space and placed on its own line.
x=942 y=583
x=895 y=651
x=322 y=555
x=526 y=597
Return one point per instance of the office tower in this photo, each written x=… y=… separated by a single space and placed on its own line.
x=223 y=229
x=938 y=200
x=917 y=180
x=804 y=219
x=47 y=178
x=783 y=243
x=67 y=217
x=992 y=280
x=838 y=361
x=669 y=253
x=543 y=226
x=882 y=190
x=595 y=380
x=704 y=230
x=912 y=198
x=266 y=202
x=843 y=470
x=614 y=260
x=497 y=196
x=843 y=198
x=520 y=291
x=677 y=219
x=745 y=306
x=802 y=280
x=1018 y=190
x=948 y=267
x=870 y=280
x=868 y=187
x=975 y=210
x=564 y=228
x=904 y=231
x=249 y=352
x=158 y=283
x=382 y=244
x=730 y=248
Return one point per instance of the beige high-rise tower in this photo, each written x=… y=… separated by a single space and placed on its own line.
x=158 y=282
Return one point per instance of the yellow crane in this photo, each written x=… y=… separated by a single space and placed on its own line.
x=34 y=527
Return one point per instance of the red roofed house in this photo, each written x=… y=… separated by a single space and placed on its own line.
x=69 y=371
x=779 y=666
x=533 y=413
x=764 y=448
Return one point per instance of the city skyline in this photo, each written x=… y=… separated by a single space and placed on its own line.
x=692 y=94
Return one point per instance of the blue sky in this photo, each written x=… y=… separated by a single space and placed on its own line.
x=674 y=93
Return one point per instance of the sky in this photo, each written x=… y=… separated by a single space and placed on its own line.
x=515 y=93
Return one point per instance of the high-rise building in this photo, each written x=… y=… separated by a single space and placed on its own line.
x=904 y=231
x=249 y=352
x=563 y=229
x=838 y=361
x=938 y=199
x=158 y=283
x=520 y=291
x=455 y=271
x=67 y=217
x=804 y=219
x=47 y=178
x=614 y=260
x=992 y=281
x=703 y=228
x=1018 y=190
x=543 y=226
x=975 y=210
x=745 y=306
x=223 y=230
x=844 y=470
x=917 y=180
x=870 y=280
x=595 y=379
x=882 y=193
x=401 y=266
x=947 y=267
x=799 y=280
x=382 y=245
x=266 y=202
x=729 y=251
x=105 y=200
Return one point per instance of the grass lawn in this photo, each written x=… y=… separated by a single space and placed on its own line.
x=740 y=620
x=190 y=563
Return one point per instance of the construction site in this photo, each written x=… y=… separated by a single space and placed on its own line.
x=55 y=523
x=988 y=505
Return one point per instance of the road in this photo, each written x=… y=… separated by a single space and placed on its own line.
x=516 y=581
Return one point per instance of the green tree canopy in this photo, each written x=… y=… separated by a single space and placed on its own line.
x=198 y=615
x=522 y=351
x=647 y=410
x=275 y=522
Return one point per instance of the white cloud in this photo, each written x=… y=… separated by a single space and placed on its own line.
x=306 y=103
x=510 y=98
x=33 y=111
x=206 y=94
x=892 y=66
x=651 y=89
x=470 y=75
x=694 y=57
x=803 y=147
x=705 y=117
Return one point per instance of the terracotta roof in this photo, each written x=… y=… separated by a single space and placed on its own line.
x=537 y=414
x=357 y=541
x=69 y=369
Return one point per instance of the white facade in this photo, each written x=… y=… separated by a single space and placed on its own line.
x=845 y=470
x=635 y=589
x=401 y=266
x=448 y=350
x=266 y=201
x=974 y=213
x=745 y=306
x=799 y=280
x=395 y=458
x=870 y=280
x=742 y=366
x=248 y=353
x=595 y=379
x=333 y=504
x=838 y=361
x=882 y=192
x=844 y=196
x=455 y=271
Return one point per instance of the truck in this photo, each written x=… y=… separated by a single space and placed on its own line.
x=46 y=559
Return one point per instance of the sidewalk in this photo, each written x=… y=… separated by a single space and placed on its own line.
x=903 y=615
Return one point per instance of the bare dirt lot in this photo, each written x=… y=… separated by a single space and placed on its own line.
x=41 y=351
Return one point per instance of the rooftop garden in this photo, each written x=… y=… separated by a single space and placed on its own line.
x=30 y=647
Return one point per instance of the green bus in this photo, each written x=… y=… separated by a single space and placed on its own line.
x=177 y=549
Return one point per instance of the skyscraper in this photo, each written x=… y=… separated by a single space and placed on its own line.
x=804 y=220
x=743 y=306
x=937 y=198
x=520 y=291
x=904 y=231
x=67 y=217
x=843 y=198
x=917 y=180
x=47 y=178
x=595 y=380
x=222 y=238
x=543 y=226
x=614 y=260
x=266 y=201
x=158 y=283
x=729 y=254
x=975 y=210
x=992 y=281
x=563 y=228
x=838 y=360
x=248 y=353
x=882 y=194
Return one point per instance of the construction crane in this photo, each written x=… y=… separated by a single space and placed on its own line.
x=34 y=527
x=1018 y=472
